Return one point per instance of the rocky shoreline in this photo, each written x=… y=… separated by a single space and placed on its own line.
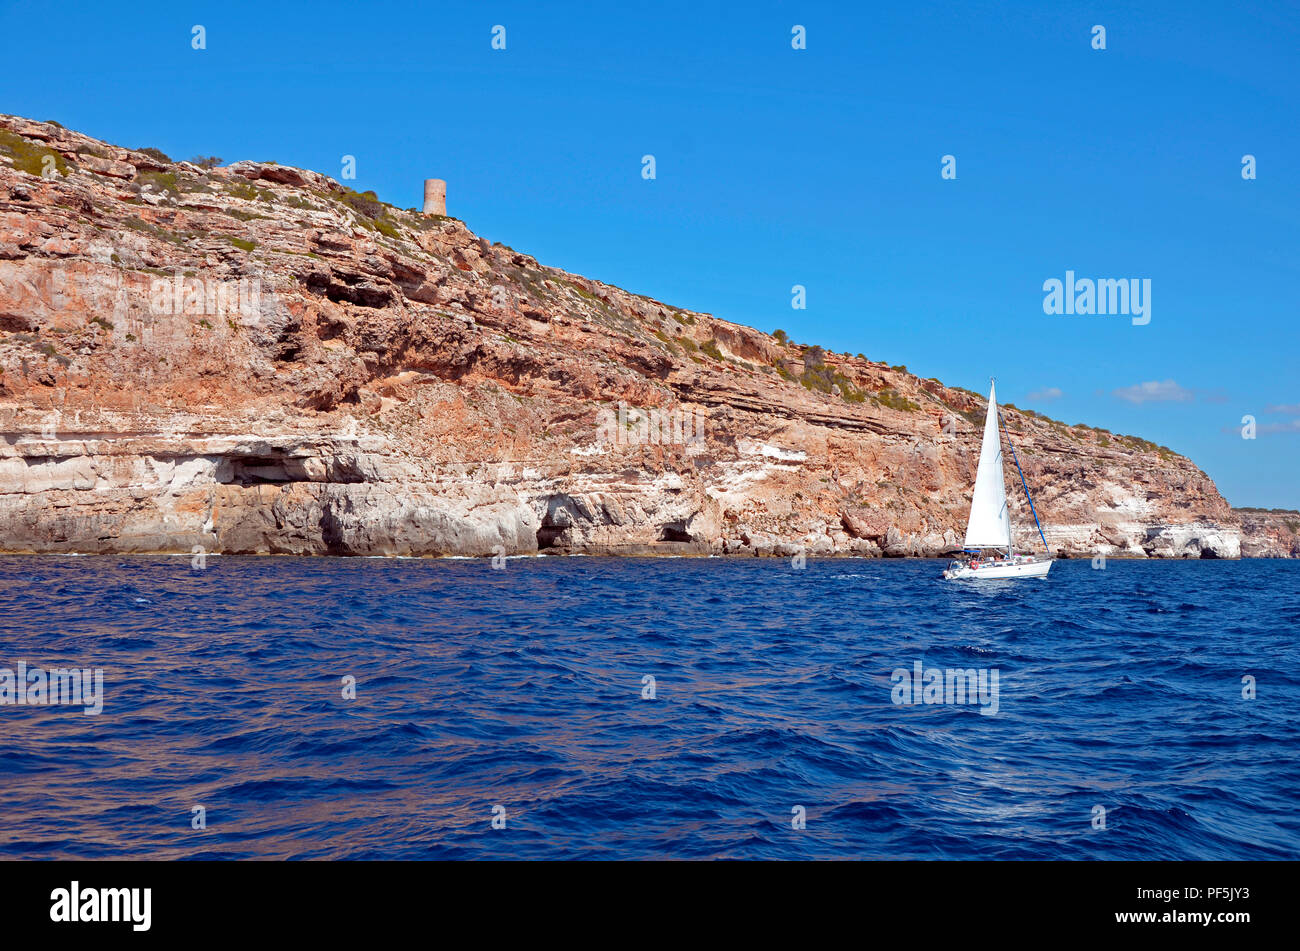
x=257 y=359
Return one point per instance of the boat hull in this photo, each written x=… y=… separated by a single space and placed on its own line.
x=1000 y=570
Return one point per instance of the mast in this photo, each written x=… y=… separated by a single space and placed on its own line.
x=1002 y=430
x=1025 y=486
x=1010 y=522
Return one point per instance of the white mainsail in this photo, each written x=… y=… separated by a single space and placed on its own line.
x=990 y=522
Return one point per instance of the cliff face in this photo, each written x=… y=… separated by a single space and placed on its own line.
x=256 y=359
x=1269 y=533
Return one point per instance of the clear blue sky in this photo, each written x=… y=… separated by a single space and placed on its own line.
x=818 y=167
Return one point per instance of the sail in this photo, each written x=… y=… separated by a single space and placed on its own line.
x=990 y=523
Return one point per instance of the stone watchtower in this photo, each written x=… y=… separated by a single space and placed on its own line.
x=435 y=196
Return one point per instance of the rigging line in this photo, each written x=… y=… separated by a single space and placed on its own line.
x=1022 y=482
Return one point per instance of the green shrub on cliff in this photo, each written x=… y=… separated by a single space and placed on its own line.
x=824 y=379
x=154 y=231
x=367 y=203
x=159 y=182
x=895 y=400
x=249 y=192
x=372 y=214
x=672 y=347
x=30 y=157
x=156 y=154
x=243 y=215
x=48 y=350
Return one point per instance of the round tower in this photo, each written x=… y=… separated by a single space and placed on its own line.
x=435 y=196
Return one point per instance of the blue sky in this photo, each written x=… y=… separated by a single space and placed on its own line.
x=818 y=167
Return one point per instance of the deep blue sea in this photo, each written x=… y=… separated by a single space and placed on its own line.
x=522 y=689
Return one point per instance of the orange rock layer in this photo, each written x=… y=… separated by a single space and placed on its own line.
x=255 y=358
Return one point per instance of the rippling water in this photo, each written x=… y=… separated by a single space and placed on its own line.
x=522 y=688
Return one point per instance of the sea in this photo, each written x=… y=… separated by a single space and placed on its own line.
x=622 y=708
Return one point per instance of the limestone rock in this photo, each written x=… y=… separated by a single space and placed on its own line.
x=254 y=358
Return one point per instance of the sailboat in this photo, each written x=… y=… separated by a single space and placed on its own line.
x=988 y=549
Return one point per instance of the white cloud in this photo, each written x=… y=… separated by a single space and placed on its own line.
x=1291 y=426
x=1154 y=392
x=1286 y=409
x=1046 y=393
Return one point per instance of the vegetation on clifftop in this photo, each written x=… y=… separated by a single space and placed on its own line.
x=29 y=157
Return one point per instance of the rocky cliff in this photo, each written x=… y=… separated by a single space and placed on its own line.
x=255 y=358
x=1269 y=533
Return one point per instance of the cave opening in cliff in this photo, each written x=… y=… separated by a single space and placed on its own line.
x=674 y=532
x=253 y=470
x=550 y=536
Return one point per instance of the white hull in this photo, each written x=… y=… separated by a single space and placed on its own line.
x=990 y=570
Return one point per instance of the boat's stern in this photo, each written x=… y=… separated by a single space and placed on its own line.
x=958 y=569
